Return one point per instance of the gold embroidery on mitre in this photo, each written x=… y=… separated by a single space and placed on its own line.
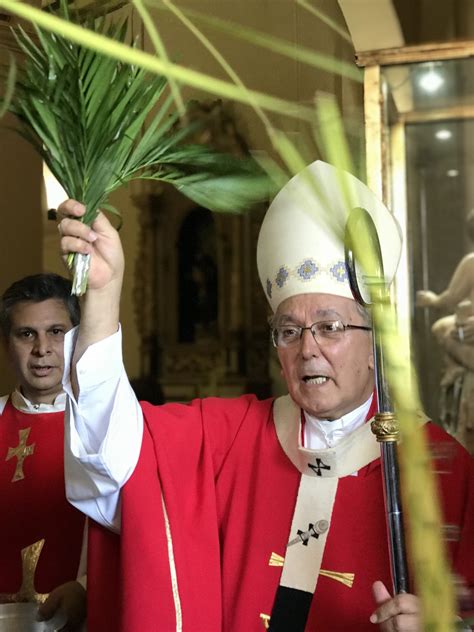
x=27 y=593
x=266 y=620
x=276 y=560
x=21 y=452
x=344 y=578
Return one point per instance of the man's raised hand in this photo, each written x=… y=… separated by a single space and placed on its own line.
x=101 y=242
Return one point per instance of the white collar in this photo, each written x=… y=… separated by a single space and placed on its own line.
x=353 y=452
x=320 y=434
x=24 y=405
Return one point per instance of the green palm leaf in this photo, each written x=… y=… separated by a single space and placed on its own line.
x=85 y=114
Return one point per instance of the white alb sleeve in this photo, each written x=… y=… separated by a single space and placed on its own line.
x=103 y=429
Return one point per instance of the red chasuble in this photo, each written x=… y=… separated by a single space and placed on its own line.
x=206 y=518
x=34 y=505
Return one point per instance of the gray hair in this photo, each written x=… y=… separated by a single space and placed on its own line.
x=364 y=313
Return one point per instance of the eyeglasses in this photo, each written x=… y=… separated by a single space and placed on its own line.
x=326 y=331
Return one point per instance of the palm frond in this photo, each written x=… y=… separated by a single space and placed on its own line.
x=94 y=8
x=122 y=52
x=10 y=82
x=85 y=113
x=327 y=63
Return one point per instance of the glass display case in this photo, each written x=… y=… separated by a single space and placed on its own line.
x=419 y=114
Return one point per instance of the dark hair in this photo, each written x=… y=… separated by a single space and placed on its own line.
x=37 y=288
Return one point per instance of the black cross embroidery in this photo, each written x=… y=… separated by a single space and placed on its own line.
x=306 y=535
x=314 y=531
x=318 y=467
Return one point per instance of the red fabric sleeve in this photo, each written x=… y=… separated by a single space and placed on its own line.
x=130 y=583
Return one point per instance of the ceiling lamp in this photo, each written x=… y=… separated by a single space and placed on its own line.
x=431 y=81
x=443 y=134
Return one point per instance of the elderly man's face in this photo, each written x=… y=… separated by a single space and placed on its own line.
x=332 y=378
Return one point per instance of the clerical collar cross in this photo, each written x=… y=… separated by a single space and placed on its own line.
x=21 y=452
x=318 y=467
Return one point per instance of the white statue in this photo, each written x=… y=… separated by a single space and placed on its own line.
x=455 y=335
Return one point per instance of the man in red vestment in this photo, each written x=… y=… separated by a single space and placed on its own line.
x=39 y=526
x=245 y=515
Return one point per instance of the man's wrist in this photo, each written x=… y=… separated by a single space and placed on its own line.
x=100 y=313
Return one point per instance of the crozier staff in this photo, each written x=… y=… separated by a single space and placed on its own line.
x=244 y=514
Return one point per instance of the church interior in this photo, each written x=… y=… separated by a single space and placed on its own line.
x=194 y=317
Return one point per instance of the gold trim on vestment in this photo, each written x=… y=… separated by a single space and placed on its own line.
x=174 y=576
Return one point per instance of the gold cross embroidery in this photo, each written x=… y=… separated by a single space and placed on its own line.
x=344 y=578
x=266 y=620
x=27 y=593
x=276 y=560
x=21 y=452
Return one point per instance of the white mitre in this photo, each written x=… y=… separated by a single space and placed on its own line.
x=300 y=248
